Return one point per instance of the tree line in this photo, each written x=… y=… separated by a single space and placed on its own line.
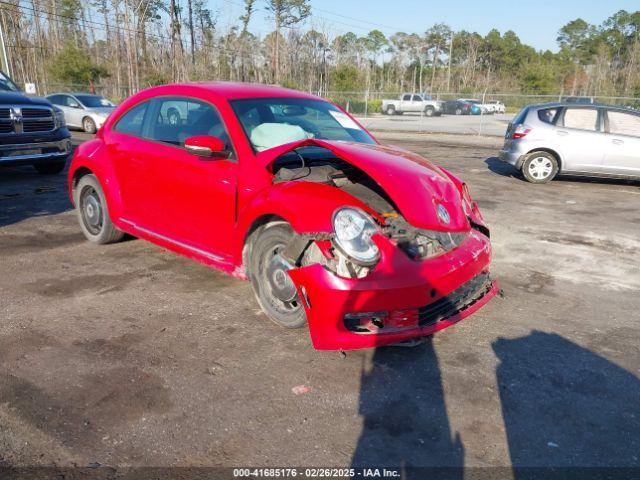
x=123 y=46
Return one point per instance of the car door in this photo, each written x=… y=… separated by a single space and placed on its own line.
x=580 y=139
x=185 y=198
x=405 y=103
x=74 y=111
x=622 y=155
x=61 y=102
x=416 y=103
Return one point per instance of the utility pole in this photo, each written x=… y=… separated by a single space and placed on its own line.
x=449 y=72
x=5 y=58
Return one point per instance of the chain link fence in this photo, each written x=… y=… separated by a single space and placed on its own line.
x=367 y=106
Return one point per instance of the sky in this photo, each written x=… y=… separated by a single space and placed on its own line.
x=536 y=22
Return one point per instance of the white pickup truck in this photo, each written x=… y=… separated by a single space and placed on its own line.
x=412 y=103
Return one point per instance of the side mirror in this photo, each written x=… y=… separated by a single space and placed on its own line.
x=74 y=105
x=206 y=146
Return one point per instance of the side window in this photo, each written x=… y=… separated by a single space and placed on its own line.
x=621 y=123
x=581 y=118
x=548 y=115
x=417 y=98
x=406 y=98
x=180 y=118
x=56 y=100
x=132 y=121
x=69 y=101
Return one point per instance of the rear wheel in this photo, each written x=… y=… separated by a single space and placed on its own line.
x=540 y=167
x=52 y=168
x=458 y=111
x=93 y=213
x=429 y=111
x=271 y=283
x=391 y=110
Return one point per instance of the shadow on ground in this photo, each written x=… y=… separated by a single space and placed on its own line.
x=405 y=417
x=566 y=410
x=499 y=167
x=24 y=194
x=564 y=406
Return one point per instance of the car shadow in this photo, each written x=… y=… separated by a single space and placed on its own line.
x=497 y=166
x=567 y=411
x=405 y=420
x=24 y=193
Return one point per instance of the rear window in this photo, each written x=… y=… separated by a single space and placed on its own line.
x=548 y=115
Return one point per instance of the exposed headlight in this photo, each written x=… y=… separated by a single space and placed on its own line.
x=58 y=117
x=354 y=229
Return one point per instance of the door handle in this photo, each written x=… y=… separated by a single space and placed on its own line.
x=562 y=133
x=617 y=141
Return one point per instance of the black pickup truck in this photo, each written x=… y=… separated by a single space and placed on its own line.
x=32 y=131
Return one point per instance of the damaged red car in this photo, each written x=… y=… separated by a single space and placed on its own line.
x=366 y=244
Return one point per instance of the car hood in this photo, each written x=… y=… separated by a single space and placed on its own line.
x=101 y=110
x=16 y=98
x=416 y=186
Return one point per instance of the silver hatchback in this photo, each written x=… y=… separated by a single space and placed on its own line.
x=545 y=140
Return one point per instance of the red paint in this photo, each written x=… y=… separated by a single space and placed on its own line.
x=203 y=208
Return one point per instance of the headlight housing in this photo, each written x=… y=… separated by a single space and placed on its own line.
x=58 y=117
x=353 y=231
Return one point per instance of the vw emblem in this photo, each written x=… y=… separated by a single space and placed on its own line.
x=443 y=214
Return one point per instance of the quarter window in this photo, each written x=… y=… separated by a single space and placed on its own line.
x=132 y=121
x=179 y=118
x=547 y=115
x=621 y=123
x=581 y=119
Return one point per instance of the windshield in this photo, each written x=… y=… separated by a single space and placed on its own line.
x=269 y=122
x=94 y=101
x=7 y=85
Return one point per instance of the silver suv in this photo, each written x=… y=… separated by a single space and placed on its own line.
x=545 y=140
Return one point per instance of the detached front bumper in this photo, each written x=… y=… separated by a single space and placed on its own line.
x=419 y=298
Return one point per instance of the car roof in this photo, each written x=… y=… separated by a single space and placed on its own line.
x=240 y=90
x=579 y=105
x=76 y=94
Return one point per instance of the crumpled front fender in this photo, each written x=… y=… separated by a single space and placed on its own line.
x=307 y=206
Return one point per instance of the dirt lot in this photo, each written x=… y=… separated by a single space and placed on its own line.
x=131 y=355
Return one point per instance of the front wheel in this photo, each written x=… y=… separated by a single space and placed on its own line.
x=458 y=111
x=93 y=213
x=540 y=167
x=88 y=125
x=271 y=283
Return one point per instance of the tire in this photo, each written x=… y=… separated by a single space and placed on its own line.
x=271 y=284
x=539 y=167
x=52 y=168
x=88 y=125
x=391 y=110
x=458 y=111
x=429 y=111
x=93 y=213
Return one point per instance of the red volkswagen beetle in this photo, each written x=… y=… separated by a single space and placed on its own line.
x=367 y=244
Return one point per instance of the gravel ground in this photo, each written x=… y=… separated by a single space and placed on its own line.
x=128 y=355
